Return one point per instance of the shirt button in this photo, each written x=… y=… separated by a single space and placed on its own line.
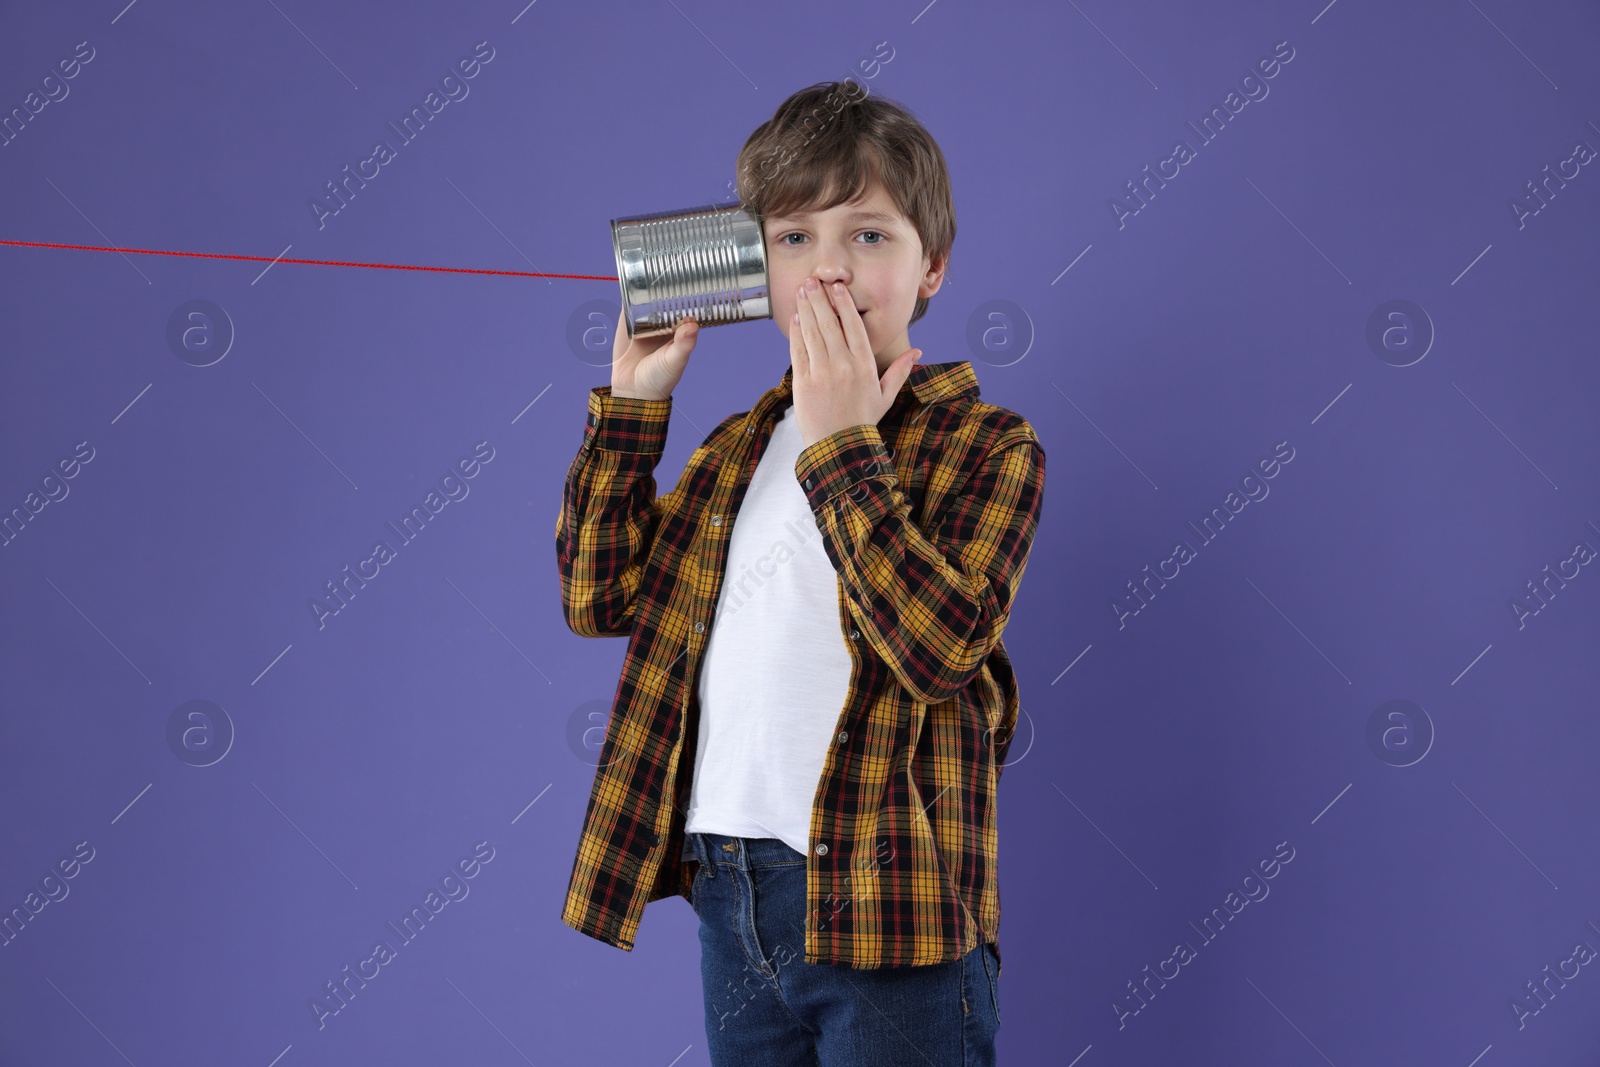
x=822 y=850
x=699 y=627
x=855 y=635
x=844 y=735
x=716 y=520
x=749 y=429
x=808 y=483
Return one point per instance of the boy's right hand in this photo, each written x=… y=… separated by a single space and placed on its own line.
x=648 y=368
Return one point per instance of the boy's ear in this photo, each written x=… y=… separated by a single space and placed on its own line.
x=932 y=275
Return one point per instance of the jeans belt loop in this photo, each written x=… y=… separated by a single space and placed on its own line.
x=704 y=855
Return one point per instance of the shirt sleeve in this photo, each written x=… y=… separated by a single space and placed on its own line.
x=609 y=512
x=932 y=608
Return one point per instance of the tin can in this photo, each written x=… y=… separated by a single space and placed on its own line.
x=708 y=263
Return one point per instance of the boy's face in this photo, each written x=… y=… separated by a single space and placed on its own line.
x=870 y=247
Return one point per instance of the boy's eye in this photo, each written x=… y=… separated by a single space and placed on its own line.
x=785 y=238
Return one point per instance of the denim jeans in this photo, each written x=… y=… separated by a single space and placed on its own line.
x=766 y=1006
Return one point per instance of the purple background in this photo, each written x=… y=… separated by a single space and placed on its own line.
x=1158 y=760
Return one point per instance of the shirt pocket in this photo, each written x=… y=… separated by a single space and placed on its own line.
x=699 y=477
x=686 y=516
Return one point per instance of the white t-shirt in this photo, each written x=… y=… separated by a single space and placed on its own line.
x=776 y=670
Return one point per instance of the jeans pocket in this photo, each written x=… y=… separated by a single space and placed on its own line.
x=991 y=967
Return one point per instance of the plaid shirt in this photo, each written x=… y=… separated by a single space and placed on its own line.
x=928 y=518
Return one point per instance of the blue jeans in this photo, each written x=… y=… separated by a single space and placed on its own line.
x=766 y=1006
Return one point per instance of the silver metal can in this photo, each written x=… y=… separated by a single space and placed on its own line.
x=708 y=263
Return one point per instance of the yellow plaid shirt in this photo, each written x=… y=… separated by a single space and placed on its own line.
x=928 y=518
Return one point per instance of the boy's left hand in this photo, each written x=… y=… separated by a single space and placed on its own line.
x=836 y=383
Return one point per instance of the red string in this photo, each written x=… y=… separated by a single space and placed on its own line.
x=317 y=262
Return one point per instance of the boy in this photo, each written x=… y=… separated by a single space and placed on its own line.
x=818 y=777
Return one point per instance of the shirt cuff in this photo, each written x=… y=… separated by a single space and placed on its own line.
x=626 y=423
x=840 y=460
